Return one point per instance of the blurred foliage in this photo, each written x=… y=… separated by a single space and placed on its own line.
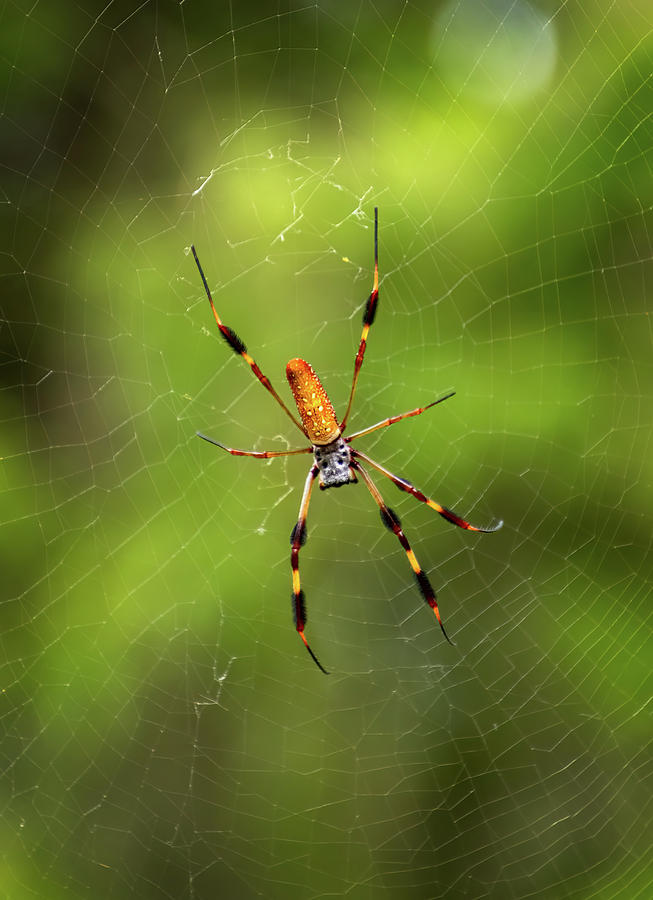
x=165 y=734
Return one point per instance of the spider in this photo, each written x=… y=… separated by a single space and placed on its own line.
x=334 y=459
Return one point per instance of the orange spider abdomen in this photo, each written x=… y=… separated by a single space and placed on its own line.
x=316 y=410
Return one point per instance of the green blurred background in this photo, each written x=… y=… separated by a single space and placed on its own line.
x=164 y=733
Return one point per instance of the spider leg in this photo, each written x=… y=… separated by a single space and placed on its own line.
x=447 y=514
x=238 y=346
x=391 y=521
x=393 y=419
x=368 y=319
x=258 y=454
x=297 y=540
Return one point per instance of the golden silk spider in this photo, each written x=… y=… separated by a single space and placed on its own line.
x=334 y=460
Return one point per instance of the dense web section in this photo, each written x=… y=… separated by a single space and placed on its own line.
x=164 y=733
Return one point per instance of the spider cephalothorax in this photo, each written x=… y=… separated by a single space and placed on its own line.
x=335 y=461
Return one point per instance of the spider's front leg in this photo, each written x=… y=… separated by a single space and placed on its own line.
x=297 y=540
x=391 y=521
x=409 y=488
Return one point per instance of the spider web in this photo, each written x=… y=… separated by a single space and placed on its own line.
x=165 y=734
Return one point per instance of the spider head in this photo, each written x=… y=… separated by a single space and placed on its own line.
x=334 y=462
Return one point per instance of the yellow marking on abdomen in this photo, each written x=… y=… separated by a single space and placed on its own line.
x=315 y=409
